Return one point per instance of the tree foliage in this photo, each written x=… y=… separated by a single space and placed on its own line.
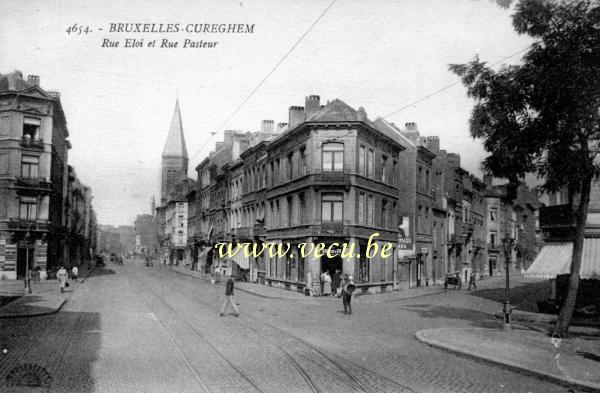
x=543 y=116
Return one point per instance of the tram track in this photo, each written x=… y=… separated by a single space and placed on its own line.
x=392 y=385
x=326 y=373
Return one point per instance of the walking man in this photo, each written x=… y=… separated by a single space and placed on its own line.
x=74 y=273
x=346 y=294
x=472 y=280
x=61 y=275
x=229 y=299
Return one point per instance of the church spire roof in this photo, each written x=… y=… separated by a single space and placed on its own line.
x=175 y=145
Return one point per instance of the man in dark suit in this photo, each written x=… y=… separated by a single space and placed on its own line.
x=229 y=299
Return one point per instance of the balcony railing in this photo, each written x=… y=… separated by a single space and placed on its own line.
x=243 y=232
x=25 y=224
x=560 y=216
x=332 y=177
x=333 y=228
x=34 y=182
x=456 y=239
x=32 y=143
x=478 y=243
x=259 y=230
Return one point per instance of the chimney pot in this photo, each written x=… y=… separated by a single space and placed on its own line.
x=33 y=80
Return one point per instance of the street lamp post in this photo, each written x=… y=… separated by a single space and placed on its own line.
x=507 y=243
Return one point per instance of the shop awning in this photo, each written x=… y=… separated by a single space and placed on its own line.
x=555 y=259
x=241 y=260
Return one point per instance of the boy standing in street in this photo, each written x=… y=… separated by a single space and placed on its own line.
x=229 y=299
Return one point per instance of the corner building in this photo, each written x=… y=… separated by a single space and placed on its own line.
x=331 y=177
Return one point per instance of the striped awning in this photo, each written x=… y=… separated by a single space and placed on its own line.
x=555 y=259
x=241 y=260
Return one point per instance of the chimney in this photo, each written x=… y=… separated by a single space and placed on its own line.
x=454 y=160
x=312 y=105
x=281 y=127
x=33 y=80
x=296 y=116
x=411 y=126
x=432 y=143
x=487 y=180
x=267 y=126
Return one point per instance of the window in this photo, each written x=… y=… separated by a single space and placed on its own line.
x=394 y=172
x=332 y=206
x=363 y=265
x=370 y=164
x=361 y=161
x=272 y=173
x=383 y=213
x=302 y=162
x=29 y=166
x=277 y=167
x=420 y=219
x=28 y=208
x=300 y=266
x=361 y=208
x=493 y=238
x=301 y=207
x=290 y=211
x=333 y=157
x=277 y=215
x=383 y=169
x=427 y=181
x=370 y=210
x=493 y=214
x=31 y=127
x=290 y=164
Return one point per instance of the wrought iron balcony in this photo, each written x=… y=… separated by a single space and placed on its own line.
x=559 y=216
x=478 y=243
x=456 y=239
x=333 y=178
x=31 y=143
x=259 y=230
x=33 y=182
x=244 y=232
x=25 y=224
x=333 y=228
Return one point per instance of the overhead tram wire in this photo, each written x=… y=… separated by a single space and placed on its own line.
x=448 y=86
x=264 y=79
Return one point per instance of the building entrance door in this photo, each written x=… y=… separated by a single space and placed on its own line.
x=21 y=256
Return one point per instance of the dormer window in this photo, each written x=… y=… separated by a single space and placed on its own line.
x=31 y=128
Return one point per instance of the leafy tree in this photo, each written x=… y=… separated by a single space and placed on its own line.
x=543 y=116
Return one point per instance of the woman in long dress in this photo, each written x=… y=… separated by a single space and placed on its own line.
x=326 y=278
x=61 y=275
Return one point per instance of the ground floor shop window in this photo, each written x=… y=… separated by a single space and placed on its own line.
x=301 y=269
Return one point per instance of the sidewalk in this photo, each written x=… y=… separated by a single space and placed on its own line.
x=573 y=362
x=269 y=292
x=45 y=297
x=259 y=290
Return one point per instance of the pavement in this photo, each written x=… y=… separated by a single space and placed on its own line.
x=45 y=297
x=573 y=363
x=278 y=293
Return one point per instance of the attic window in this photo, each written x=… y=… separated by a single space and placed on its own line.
x=31 y=127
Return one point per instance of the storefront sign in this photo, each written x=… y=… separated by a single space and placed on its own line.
x=405 y=234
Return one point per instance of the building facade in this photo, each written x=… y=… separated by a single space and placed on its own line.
x=34 y=194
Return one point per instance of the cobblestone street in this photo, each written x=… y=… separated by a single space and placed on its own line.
x=149 y=329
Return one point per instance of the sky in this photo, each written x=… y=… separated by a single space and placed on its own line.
x=382 y=55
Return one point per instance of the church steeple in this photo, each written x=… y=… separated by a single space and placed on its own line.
x=175 y=144
x=174 y=157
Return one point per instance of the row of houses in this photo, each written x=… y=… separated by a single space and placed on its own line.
x=46 y=214
x=331 y=175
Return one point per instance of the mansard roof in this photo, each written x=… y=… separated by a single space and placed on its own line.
x=175 y=144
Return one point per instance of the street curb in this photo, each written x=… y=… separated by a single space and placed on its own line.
x=241 y=289
x=563 y=381
x=36 y=314
x=88 y=274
